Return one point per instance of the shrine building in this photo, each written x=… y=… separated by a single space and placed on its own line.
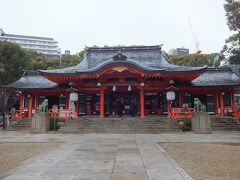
x=136 y=78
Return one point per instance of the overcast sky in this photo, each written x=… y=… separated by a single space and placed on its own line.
x=78 y=23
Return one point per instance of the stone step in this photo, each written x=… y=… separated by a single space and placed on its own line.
x=143 y=128
x=124 y=122
x=85 y=130
x=129 y=124
x=123 y=127
x=224 y=124
x=227 y=122
x=20 y=125
x=223 y=120
x=133 y=123
x=225 y=129
x=10 y=128
x=120 y=125
x=229 y=125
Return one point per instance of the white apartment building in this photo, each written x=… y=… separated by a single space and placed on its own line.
x=44 y=45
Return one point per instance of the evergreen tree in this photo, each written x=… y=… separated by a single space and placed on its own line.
x=231 y=49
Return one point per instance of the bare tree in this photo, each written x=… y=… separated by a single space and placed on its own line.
x=4 y=95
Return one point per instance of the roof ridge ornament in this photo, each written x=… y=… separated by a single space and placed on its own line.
x=119 y=56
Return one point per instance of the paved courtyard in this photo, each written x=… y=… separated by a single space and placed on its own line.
x=107 y=156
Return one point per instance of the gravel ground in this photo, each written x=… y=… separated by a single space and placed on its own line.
x=207 y=161
x=13 y=154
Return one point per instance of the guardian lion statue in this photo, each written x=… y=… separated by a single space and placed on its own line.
x=198 y=106
x=43 y=108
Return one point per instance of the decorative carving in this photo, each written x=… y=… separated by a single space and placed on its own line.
x=119 y=56
x=43 y=107
x=157 y=74
x=83 y=75
x=119 y=68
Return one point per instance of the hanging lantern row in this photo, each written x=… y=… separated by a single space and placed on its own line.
x=115 y=88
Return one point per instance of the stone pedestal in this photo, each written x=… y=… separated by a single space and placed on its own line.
x=40 y=123
x=201 y=123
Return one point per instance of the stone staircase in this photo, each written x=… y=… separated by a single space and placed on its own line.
x=224 y=124
x=20 y=125
x=120 y=125
x=130 y=125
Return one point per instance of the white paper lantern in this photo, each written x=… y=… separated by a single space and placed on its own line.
x=73 y=96
x=114 y=88
x=129 y=88
x=170 y=95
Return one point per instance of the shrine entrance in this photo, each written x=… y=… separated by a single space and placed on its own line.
x=123 y=103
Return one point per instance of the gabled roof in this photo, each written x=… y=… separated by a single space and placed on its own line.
x=217 y=77
x=211 y=77
x=147 y=58
x=32 y=80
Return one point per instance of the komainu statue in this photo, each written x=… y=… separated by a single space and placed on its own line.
x=198 y=106
x=43 y=108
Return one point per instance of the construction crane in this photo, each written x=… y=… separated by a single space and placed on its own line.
x=196 y=42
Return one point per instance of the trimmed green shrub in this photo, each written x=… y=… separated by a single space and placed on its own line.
x=187 y=125
x=51 y=125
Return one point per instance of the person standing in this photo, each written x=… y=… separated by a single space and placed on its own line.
x=120 y=108
x=132 y=107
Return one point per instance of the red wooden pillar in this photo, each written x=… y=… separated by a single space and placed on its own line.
x=76 y=108
x=234 y=108
x=169 y=108
x=216 y=103
x=36 y=103
x=101 y=101
x=21 y=102
x=142 y=101
x=30 y=107
x=221 y=104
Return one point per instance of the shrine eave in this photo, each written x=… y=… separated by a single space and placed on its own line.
x=217 y=77
x=164 y=68
x=32 y=80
